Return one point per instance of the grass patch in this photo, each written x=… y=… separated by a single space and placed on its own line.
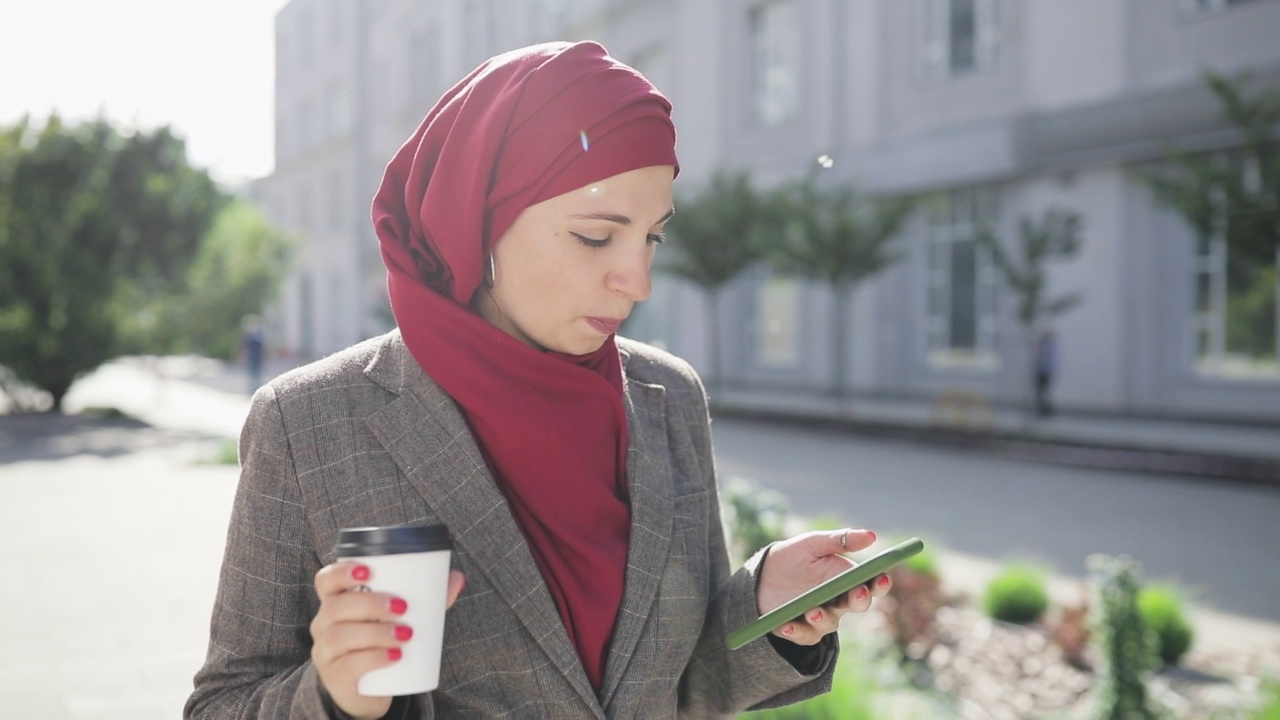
x=1270 y=707
x=227 y=453
x=866 y=686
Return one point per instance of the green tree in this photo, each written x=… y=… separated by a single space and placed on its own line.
x=1234 y=197
x=840 y=237
x=717 y=233
x=88 y=214
x=1054 y=236
x=237 y=272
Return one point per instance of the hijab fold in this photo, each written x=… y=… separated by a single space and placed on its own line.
x=524 y=127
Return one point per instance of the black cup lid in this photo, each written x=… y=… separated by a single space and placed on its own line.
x=354 y=542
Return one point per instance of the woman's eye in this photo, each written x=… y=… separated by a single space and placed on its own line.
x=656 y=238
x=590 y=241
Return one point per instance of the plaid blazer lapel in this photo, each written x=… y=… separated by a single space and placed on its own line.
x=649 y=479
x=427 y=436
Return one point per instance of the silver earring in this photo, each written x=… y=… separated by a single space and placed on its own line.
x=491 y=273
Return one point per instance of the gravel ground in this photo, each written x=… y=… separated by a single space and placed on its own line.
x=1001 y=671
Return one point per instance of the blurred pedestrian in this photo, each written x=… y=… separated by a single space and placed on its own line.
x=573 y=468
x=1046 y=365
x=253 y=347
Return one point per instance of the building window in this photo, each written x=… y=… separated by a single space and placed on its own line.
x=478 y=30
x=304 y=138
x=337 y=201
x=339 y=115
x=652 y=63
x=775 y=62
x=778 y=322
x=305 y=219
x=1236 y=318
x=337 y=21
x=424 y=68
x=959 y=36
x=306 y=26
x=963 y=284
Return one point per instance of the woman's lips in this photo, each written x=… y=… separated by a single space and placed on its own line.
x=605 y=326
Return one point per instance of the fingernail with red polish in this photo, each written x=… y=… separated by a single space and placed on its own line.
x=403 y=632
x=861 y=594
x=883 y=581
x=360 y=572
x=393 y=653
x=398 y=606
x=788 y=629
x=815 y=616
x=872 y=533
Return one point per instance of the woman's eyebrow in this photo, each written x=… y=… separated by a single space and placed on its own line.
x=619 y=219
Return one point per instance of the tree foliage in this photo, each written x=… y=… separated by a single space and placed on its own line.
x=237 y=271
x=88 y=215
x=840 y=237
x=1055 y=235
x=717 y=233
x=1234 y=196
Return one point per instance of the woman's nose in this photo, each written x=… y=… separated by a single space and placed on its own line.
x=630 y=277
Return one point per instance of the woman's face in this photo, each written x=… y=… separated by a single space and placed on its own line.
x=569 y=269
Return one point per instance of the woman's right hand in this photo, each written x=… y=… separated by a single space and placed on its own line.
x=355 y=632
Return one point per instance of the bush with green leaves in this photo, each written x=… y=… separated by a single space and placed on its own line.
x=912 y=605
x=753 y=516
x=1017 y=594
x=1126 y=643
x=1161 y=609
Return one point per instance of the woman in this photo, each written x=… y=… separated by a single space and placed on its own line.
x=574 y=469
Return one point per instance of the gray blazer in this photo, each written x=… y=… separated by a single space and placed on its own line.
x=364 y=437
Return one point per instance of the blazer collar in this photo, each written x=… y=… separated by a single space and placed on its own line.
x=427 y=436
x=649 y=477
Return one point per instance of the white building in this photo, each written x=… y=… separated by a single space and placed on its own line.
x=1003 y=108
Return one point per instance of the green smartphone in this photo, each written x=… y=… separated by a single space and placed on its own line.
x=824 y=593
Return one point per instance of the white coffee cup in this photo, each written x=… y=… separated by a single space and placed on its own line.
x=410 y=562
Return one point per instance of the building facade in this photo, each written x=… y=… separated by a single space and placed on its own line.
x=997 y=109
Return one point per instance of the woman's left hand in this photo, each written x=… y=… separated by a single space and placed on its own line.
x=797 y=564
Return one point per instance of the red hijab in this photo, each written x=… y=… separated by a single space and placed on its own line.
x=524 y=127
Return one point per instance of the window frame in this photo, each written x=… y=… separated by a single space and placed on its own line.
x=773 y=63
x=1207 y=325
x=936 y=38
x=940 y=238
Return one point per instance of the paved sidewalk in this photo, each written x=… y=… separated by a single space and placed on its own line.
x=1209 y=449
x=114 y=535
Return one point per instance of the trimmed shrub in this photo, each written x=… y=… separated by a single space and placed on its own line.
x=1161 y=610
x=1126 y=643
x=753 y=516
x=1017 y=594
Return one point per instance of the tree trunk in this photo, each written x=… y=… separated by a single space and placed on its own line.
x=713 y=329
x=58 y=391
x=1032 y=365
x=840 y=339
